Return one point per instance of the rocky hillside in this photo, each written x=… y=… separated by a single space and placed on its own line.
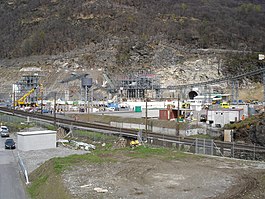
x=32 y=27
x=250 y=130
x=181 y=41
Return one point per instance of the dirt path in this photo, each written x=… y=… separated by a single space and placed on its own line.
x=195 y=177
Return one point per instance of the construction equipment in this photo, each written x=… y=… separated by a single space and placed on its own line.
x=185 y=105
x=225 y=105
x=134 y=143
x=22 y=101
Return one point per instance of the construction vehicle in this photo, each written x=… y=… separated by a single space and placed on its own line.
x=22 y=101
x=185 y=105
x=225 y=105
x=134 y=143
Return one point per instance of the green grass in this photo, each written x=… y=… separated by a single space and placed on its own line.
x=15 y=127
x=107 y=155
x=36 y=185
x=253 y=120
x=50 y=127
x=48 y=175
x=163 y=153
x=106 y=119
x=97 y=157
x=95 y=136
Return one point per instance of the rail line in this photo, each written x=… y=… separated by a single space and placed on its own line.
x=133 y=132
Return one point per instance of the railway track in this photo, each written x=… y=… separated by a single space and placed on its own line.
x=133 y=133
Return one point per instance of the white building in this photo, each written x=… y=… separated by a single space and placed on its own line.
x=219 y=118
x=36 y=140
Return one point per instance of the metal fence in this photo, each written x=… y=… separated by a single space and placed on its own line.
x=11 y=118
x=209 y=147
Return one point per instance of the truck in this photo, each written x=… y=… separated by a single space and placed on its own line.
x=225 y=105
x=22 y=101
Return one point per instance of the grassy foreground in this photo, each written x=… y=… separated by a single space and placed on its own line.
x=46 y=181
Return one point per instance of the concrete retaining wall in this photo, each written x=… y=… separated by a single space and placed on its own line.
x=162 y=130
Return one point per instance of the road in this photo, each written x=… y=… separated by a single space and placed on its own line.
x=11 y=185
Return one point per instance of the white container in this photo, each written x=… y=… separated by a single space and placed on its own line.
x=36 y=140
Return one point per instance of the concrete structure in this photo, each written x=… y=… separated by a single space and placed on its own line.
x=219 y=118
x=36 y=140
x=213 y=97
x=196 y=105
x=161 y=130
x=228 y=135
x=151 y=113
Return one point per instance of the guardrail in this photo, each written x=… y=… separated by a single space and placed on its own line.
x=23 y=168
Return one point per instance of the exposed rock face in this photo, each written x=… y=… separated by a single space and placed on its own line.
x=173 y=65
x=190 y=71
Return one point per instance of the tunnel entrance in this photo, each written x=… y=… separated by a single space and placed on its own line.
x=192 y=94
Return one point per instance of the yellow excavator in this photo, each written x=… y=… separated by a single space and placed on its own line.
x=22 y=101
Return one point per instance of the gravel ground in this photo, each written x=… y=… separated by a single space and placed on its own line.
x=201 y=178
x=33 y=159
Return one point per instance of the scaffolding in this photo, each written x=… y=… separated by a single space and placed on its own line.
x=27 y=83
x=139 y=85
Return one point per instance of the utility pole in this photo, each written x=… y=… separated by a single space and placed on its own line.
x=262 y=58
x=237 y=96
x=54 y=109
x=41 y=92
x=263 y=84
x=14 y=100
x=178 y=115
x=87 y=100
x=146 y=118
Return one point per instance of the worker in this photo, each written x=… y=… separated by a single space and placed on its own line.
x=191 y=115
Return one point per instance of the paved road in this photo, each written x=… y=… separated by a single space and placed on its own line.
x=11 y=185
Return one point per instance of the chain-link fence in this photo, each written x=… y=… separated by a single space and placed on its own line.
x=212 y=148
x=11 y=118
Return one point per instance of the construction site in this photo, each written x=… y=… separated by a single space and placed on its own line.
x=97 y=91
x=137 y=111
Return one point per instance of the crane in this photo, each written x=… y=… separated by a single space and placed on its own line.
x=21 y=101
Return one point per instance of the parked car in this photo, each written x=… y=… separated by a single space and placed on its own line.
x=4 y=131
x=45 y=111
x=10 y=144
x=203 y=118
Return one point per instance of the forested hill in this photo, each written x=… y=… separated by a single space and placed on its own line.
x=34 y=27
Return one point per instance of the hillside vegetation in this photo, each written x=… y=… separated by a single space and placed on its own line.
x=180 y=41
x=35 y=27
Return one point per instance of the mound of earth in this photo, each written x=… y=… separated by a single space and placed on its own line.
x=252 y=130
